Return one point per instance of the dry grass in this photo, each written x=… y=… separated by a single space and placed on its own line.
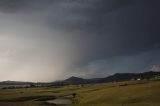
x=129 y=93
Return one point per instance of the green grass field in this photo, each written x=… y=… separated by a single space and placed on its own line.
x=128 y=93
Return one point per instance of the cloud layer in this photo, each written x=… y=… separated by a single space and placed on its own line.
x=46 y=40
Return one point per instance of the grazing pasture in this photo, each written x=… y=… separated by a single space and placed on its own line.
x=128 y=93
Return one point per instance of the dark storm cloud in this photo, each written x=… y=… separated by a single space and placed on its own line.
x=91 y=31
x=112 y=27
x=10 y=5
x=127 y=30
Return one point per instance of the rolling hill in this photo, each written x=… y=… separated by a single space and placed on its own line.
x=116 y=77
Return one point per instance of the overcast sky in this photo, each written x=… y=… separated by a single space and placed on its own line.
x=48 y=40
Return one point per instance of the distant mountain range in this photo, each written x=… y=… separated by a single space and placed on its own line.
x=14 y=83
x=77 y=80
x=112 y=78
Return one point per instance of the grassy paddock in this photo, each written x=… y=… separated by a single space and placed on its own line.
x=128 y=93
